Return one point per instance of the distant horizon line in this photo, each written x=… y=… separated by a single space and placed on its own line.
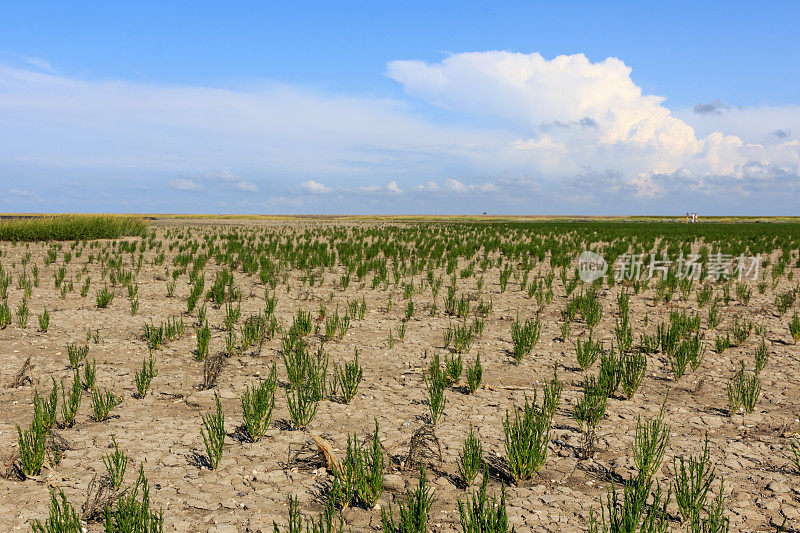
x=267 y=216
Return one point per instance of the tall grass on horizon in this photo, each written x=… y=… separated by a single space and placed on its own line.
x=71 y=227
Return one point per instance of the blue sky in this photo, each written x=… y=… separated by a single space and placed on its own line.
x=413 y=107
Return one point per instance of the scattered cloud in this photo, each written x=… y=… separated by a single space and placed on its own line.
x=21 y=192
x=585 y=122
x=185 y=184
x=430 y=186
x=39 y=63
x=247 y=186
x=222 y=174
x=315 y=187
x=529 y=128
x=363 y=189
x=711 y=108
x=283 y=200
x=27 y=61
x=752 y=124
x=455 y=186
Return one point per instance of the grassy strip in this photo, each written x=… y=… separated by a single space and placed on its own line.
x=71 y=227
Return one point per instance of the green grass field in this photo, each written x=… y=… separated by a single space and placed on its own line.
x=26 y=228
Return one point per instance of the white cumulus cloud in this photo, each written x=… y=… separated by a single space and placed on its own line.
x=247 y=186
x=315 y=187
x=572 y=114
x=568 y=91
x=185 y=184
x=455 y=185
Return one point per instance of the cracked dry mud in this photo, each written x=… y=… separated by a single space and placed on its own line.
x=250 y=488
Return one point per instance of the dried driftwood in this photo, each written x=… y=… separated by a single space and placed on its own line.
x=99 y=495
x=23 y=375
x=424 y=449
x=211 y=369
x=312 y=454
x=56 y=445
